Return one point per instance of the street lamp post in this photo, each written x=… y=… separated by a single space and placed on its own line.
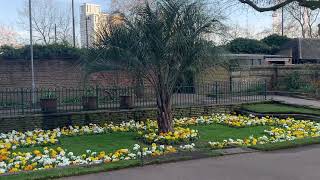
x=73 y=25
x=31 y=55
x=55 y=33
x=282 y=21
x=87 y=33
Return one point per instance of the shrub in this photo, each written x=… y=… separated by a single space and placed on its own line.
x=250 y=46
x=275 y=41
x=268 y=45
x=51 y=51
x=292 y=81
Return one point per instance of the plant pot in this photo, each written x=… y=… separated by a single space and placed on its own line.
x=90 y=102
x=126 y=102
x=48 y=105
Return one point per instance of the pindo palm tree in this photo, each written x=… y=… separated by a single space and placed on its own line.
x=161 y=42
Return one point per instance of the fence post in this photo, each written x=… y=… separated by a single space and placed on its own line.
x=230 y=86
x=216 y=91
x=265 y=89
x=97 y=94
x=22 y=101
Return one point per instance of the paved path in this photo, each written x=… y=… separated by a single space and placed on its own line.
x=296 y=164
x=296 y=101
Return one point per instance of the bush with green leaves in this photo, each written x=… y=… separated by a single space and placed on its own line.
x=293 y=81
x=51 y=51
x=275 y=41
x=248 y=46
x=90 y=92
x=268 y=45
x=48 y=94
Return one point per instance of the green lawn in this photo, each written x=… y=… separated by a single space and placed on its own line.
x=217 y=132
x=114 y=141
x=102 y=142
x=279 y=108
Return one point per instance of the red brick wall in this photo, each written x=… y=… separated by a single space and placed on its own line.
x=55 y=73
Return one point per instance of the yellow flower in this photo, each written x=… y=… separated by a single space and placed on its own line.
x=59 y=149
x=13 y=170
x=101 y=155
x=34 y=164
x=17 y=166
x=124 y=151
x=28 y=168
x=36 y=152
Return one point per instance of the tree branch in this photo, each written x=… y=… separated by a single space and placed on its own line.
x=309 y=4
x=264 y=9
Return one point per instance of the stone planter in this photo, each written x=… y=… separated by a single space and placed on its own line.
x=126 y=102
x=90 y=102
x=48 y=105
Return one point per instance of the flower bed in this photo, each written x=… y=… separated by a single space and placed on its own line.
x=179 y=136
x=285 y=130
x=52 y=158
x=277 y=130
x=47 y=158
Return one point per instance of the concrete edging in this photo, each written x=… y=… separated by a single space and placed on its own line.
x=281 y=115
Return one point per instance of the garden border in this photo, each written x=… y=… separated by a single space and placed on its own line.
x=51 y=121
x=170 y=158
x=298 y=116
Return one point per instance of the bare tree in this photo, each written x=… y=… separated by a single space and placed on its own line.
x=302 y=18
x=48 y=17
x=8 y=36
x=273 y=5
x=126 y=5
x=312 y=22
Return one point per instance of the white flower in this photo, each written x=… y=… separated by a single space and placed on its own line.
x=2 y=170
x=136 y=147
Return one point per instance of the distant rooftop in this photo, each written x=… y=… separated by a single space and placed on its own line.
x=302 y=48
x=258 y=56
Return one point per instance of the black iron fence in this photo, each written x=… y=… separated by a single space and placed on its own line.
x=25 y=101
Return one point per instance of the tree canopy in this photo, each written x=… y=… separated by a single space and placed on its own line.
x=268 y=45
x=42 y=52
x=274 y=42
x=161 y=42
x=248 y=46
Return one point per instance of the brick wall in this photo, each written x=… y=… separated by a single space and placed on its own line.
x=55 y=73
x=269 y=73
x=31 y=122
x=276 y=74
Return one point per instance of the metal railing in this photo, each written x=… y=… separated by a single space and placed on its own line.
x=19 y=101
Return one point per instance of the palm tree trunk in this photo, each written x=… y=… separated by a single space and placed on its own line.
x=165 y=119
